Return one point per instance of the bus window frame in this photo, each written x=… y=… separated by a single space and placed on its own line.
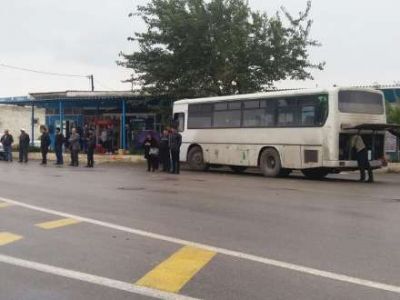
x=340 y=107
x=178 y=123
x=273 y=100
x=228 y=109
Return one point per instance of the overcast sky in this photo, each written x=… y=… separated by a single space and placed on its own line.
x=361 y=42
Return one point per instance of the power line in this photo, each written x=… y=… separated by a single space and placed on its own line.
x=90 y=77
x=41 y=72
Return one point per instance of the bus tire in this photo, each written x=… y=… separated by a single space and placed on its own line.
x=196 y=159
x=270 y=163
x=238 y=169
x=316 y=173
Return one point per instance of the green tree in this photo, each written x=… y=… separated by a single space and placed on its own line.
x=393 y=113
x=195 y=48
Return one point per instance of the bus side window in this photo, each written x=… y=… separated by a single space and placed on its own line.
x=179 y=121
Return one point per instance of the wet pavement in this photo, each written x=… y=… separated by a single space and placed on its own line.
x=288 y=238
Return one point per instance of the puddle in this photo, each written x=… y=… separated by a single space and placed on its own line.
x=198 y=180
x=165 y=191
x=128 y=188
x=166 y=179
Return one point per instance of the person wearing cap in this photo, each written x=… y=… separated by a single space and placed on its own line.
x=7 y=140
x=24 y=141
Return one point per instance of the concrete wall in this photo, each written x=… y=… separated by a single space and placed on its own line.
x=14 y=118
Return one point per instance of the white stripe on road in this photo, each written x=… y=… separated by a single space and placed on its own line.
x=237 y=254
x=102 y=281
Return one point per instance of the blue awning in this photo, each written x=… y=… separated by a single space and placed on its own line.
x=392 y=95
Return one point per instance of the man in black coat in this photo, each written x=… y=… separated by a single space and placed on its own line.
x=44 y=144
x=91 y=146
x=165 y=156
x=24 y=141
x=58 y=146
x=175 y=142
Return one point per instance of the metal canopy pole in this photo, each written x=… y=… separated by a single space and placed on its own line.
x=123 y=125
x=373 y=145
x=398 y=148
x=33 y=125
x=61 y=114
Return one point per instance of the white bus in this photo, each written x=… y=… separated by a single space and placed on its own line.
x=307 y=130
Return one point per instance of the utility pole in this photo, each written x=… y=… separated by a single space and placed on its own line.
x=91 y=79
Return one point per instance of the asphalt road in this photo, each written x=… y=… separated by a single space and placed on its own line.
x=213 y=235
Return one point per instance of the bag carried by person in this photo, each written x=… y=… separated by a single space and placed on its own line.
x=153 y=151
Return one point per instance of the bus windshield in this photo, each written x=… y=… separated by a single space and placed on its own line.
x=361 y=102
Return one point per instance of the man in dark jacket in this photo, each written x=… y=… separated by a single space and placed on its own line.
x=165 y=156
x=175 y=142
x=24 y=141
x=75 y=147
x=7 y=140
x=44 y=144
x=91 y=146
x=151 y=152
x=58 y=146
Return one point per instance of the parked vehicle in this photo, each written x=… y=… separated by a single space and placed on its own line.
x=307 y=130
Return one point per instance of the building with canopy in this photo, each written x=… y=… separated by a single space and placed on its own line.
x=127 y=113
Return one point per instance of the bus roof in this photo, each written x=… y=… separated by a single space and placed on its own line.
x=300 y=92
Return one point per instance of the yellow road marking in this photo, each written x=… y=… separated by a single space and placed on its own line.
x=3 y=205
x=58 y=223
x=172 y=274
x=7 y=238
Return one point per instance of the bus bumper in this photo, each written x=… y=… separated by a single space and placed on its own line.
x=349 y=164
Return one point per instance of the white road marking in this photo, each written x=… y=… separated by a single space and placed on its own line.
x=232 y=253
x=98 y=280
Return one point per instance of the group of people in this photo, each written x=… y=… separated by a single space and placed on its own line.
x=7 y=141
x=73 y=142
x=166 y=151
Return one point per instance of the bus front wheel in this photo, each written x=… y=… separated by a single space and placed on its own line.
x=196 y=160
x=317 y=173
x=270 y=163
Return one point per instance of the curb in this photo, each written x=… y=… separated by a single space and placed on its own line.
x=99 y=159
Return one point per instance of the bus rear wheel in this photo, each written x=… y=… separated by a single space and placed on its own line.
x=270 y=163
x=317 y=173
x=196 y=159
x=238 y=169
